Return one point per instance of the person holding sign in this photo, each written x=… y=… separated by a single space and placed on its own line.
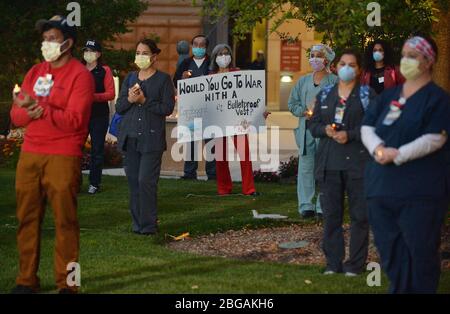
x=221 y=60
x=301 y=103
x=340 y=162
x=405 y=131
x=146 y=98
x=196 y=66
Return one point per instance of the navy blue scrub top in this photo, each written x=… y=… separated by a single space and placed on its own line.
x=425 y=112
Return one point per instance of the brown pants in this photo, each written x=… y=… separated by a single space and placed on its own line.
x=40 y=179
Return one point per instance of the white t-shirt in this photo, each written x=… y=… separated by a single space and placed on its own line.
x=199 y=62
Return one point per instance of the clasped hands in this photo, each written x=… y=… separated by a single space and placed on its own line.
x=136 y=95
x=385 y=155
x=339 y=136
x=34 y=110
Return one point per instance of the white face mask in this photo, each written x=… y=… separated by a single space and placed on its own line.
x=90 y=56
x=223 y=61
x=410 y=68
x=51 y=51
x=143 y=62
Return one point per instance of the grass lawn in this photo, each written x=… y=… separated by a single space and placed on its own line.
x=114 y=260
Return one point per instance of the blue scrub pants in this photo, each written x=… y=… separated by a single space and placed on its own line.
x=408 y=234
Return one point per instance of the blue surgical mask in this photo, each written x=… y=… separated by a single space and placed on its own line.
x=347 y=73
x=198 y=52
x=378 y=56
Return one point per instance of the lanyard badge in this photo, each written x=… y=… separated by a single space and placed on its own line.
x=43 y=85
x=340 y=111
x=395 y=111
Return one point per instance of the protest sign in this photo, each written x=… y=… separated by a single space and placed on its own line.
x=218 y=105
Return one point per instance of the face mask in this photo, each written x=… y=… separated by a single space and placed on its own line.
x=90 y=56
x=223 y=61
x=198 y=52
x=51 y=51
x=347 y=73
x=143 y=62
x=378 y=56
x=318 y=64
x=410 y=68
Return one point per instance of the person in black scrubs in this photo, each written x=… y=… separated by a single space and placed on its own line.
x=339 y=165
x=146 y=98
x=405 y=130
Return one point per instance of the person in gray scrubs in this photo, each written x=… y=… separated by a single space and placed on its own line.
x=146 y=98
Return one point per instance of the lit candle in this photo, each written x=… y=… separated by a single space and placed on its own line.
x=379 y=153
x=16 y=89
x=309 y=113
x=334 y=126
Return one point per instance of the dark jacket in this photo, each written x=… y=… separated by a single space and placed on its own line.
x=147 y=121
x=352 y=154
x=189 y=64
x=392 y=77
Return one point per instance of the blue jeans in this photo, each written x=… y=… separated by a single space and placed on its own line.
x=98 y=126
x=191 y=166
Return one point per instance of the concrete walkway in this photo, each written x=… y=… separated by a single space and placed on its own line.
x=235 y=169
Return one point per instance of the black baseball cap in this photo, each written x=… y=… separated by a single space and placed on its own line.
x=93 y=45
x=59 y=22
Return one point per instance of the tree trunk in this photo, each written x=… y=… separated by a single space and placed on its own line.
x=441 y=73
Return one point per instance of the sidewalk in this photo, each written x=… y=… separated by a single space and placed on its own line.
x=235 y=170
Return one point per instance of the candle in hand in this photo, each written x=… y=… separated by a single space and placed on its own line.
x=16 y=89
x=379 y=153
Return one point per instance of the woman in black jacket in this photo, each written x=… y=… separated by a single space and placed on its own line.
x=146 y=98
x=339 y=165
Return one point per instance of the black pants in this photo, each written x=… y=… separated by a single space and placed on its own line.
x=191 y=165
x=98 y=126
x=407 y=235
x=142 y=171
x=333 y=189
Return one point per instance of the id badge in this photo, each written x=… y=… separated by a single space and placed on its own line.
x=43 y=85
x=339 y=115
x=381 y=79
x=393 y=114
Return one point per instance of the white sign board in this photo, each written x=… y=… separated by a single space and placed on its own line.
x=218 y=105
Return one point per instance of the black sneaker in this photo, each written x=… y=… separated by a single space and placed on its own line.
x=254 y=194
x=20 y=289
x=308 y=214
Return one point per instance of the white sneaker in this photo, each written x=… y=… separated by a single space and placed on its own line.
x=329 y=272
x=92 y=189
x=350 y=274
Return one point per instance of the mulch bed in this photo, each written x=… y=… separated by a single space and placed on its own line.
x=262 y=245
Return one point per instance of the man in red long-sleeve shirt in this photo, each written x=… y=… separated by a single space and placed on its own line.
x=54 y=105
